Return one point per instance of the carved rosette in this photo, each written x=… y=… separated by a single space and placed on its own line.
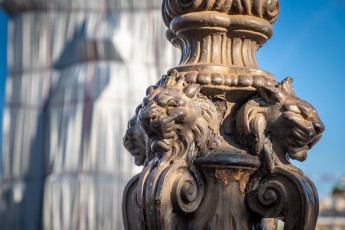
x=216 y=133
x=264 y=9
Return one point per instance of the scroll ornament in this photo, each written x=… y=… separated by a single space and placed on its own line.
x=174 y=125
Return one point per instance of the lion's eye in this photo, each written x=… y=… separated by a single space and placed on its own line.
x=173 y=102
x=176 y=103
x=164 y=99
x=306 y=111
x=169 y=101
x=293 y=108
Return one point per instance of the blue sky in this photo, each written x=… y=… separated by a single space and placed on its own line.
x=309 y=45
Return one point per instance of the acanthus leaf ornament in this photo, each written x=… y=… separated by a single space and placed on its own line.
x=216 y=133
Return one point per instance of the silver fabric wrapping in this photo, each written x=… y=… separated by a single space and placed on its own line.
x=76 y=71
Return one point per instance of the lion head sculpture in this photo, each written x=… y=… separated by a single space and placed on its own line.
x=291 y=124
x=177 y=119
x=135 y=140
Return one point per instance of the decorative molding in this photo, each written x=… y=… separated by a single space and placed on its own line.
x=227 y=80
x=264 y=9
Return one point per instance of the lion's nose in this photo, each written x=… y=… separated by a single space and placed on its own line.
x=319 y=128
x=153 y=115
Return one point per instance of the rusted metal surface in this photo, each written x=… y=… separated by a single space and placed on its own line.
x=216 y=133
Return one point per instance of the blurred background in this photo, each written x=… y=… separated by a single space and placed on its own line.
x=72 y=73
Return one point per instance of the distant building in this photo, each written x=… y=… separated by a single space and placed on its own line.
x=76 y=71
x=332 y=209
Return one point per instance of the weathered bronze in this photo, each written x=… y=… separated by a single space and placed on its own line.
x=215 y=134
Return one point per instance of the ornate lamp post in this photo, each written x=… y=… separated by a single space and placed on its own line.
x=216 y=133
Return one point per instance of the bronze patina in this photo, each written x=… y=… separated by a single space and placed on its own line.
x=215 y=134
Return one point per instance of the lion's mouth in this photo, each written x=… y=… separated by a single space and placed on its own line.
x=302 y=141
x=314 y=141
